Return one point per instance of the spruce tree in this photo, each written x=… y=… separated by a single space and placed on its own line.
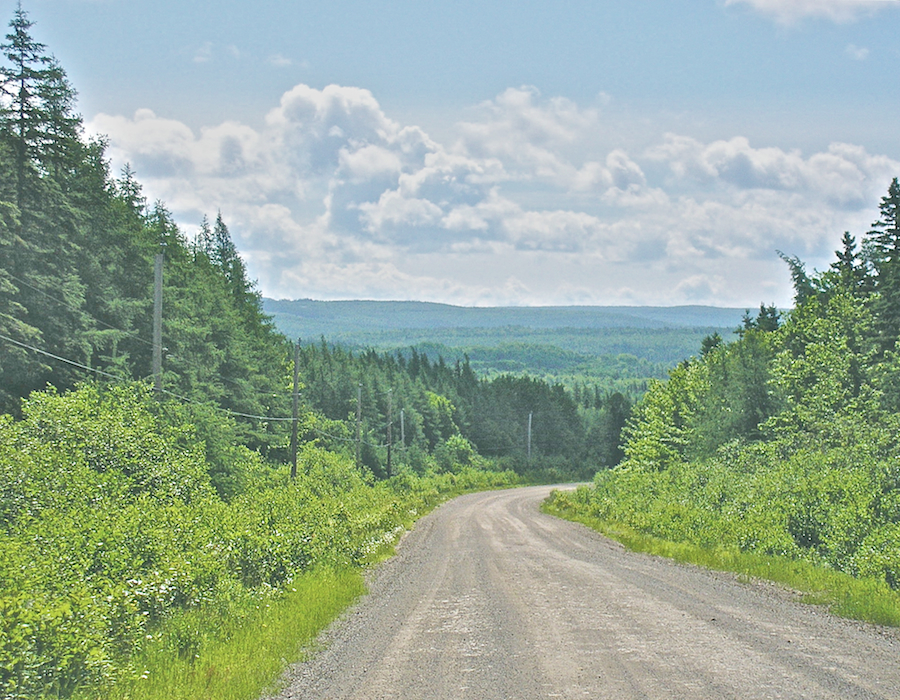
x=883 y=250
x=803 y=286
x=41 y=152
x=38 y=116
x=850 y=268
x=203 y=243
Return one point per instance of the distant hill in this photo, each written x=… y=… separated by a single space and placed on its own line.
x=317 y=318
x=615 y=347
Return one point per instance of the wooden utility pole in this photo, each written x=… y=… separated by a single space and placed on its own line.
x=359 y=426
x=157 y=321
x=296 y=412
x=529 y=437
x=402 y=429
x=390 y=423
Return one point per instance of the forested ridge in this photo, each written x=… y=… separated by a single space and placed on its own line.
x=783 y=442
x=607 y=349
x=145 y=530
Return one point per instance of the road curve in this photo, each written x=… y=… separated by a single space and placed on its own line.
x=489 y=598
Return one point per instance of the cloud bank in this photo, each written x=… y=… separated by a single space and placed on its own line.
x=789 y=11
x=332 y=198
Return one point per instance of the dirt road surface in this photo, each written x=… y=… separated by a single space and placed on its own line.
x=489 y=598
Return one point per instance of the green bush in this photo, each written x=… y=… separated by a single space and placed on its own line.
x=113 y=531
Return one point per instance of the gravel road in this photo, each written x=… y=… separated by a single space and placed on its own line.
x=489 y=598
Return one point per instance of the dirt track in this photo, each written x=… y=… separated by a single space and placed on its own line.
x=489 y=598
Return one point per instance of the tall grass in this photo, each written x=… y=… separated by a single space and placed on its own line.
x=868 y=600
x=243 y=652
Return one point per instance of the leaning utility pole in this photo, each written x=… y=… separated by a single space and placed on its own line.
x=296 y=412
x=157 y=320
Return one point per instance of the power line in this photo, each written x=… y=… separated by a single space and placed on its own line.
x=130 y=334
x=126 y=380
x=62 y=359
x=194 y=402
x=186 y=399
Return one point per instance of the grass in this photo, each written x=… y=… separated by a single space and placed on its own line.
x=240 y=662
x=869 y=600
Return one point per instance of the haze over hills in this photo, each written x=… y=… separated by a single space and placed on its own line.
x=325 y=317
x=616 y=347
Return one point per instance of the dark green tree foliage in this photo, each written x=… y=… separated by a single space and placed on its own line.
x=850 y=269
x=605 y=423
x=766 y=320
x=219 y=345
x=440 y=401
x=76 y=272
x=39 y=142
x=738 y=399
x=710 y=343
x=803 y=287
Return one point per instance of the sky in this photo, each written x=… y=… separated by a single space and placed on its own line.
x=601 y=152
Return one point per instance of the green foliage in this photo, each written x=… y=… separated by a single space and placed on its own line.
x=235 y=652
x=112 y=534
x=439 y=401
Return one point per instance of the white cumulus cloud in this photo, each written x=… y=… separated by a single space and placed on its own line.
x=332 y=198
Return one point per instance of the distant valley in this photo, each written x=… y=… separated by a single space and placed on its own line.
x=613 y=347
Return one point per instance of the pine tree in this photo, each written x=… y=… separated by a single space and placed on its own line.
x=40 y=154
x=768 y=319
x=224 y=251
x=203 y=244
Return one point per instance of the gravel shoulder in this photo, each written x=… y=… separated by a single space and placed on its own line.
x=490 y=598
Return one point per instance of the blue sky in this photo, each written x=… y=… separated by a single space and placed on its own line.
x=627 y=151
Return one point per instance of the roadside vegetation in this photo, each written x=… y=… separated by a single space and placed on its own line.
x=782 y=443
x=121 y=562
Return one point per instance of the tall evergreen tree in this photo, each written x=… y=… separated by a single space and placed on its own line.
x=224 y=251
x=38 y=115
x=203 y=243
x=40 y=149
x=803 y=287
x=850 y=268
x=882 y=247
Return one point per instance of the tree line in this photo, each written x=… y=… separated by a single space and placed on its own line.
x=428 y=402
